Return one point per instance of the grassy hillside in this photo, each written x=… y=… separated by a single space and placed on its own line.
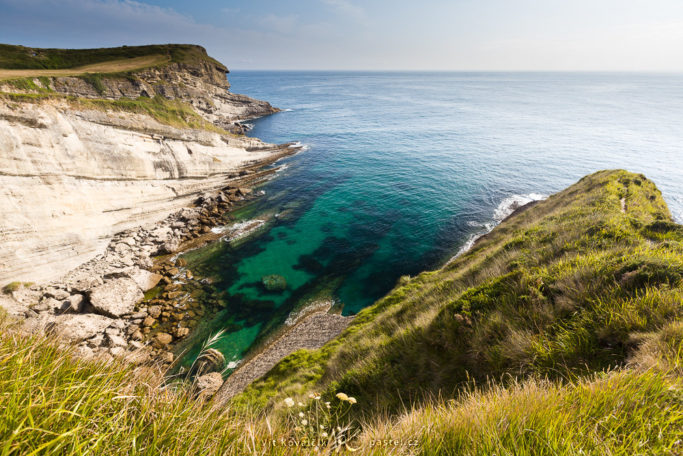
x=565 y=288
x=559 y=333
x=21 y=57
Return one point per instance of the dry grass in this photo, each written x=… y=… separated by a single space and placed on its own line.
x=113 y=66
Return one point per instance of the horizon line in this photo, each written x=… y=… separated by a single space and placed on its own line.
x=361 y=70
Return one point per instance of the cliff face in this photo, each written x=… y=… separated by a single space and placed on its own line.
x=73 y=174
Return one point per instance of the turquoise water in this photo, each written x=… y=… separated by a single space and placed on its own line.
x=403 y=169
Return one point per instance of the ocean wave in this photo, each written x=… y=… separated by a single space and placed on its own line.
x=287 y=110
x=514 y=202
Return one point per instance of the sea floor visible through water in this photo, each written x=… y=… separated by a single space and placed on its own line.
x=401 y=171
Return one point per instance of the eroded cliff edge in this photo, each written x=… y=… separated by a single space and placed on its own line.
x=85 y=156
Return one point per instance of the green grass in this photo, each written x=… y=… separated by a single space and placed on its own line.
x=20 y=57
x=174 y=113
x=561 y=290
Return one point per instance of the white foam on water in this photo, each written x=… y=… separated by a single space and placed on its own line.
x=504 y=209
x=304 y=147
x=514 y=202
x=234 y=364
x=316 y=306
x=240 y=229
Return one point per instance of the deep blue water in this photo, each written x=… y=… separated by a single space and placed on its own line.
x=402 y=169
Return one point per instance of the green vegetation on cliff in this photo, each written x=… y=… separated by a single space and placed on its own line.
x=558 y=333
x=570 y=286
x=21 y=57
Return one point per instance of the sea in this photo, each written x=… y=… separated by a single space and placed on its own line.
x=400 y=171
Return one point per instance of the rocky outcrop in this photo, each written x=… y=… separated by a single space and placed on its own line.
x=69 y=184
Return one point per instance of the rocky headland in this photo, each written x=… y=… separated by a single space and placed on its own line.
x=103 y=179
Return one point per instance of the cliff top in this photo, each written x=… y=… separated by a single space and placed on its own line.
x=26 y=61
x=565 y=287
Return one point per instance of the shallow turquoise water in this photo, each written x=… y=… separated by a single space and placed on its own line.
x=402 y=169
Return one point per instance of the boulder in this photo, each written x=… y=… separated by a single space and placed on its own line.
x=210 y=360
x=83 y=281
x=164 y=338
x=74 y=303
x=114 y=340
x=154 y=311
x=146 y=280
x=170 y=246
x=56 y=293
x=116 y=297
x=79 y=327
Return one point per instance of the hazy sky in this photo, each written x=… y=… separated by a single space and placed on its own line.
x=643 y=35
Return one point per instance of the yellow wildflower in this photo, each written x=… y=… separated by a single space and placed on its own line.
x=342 y=397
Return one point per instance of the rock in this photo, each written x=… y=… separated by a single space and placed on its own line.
x=116 y=341
x=170 y=246
x=12 y=307
x=84 y=281
x=210 y=360
x=26 y=296
x=149 y=321
x=188 y=274
x=154 y=311
x=244 y=191
x=129 y=240
x=79 y=327
x=181 y=262
x=167 y=357
x=117 y=351
x=164 y=338
x=181 y=332
x=208 y=384
x=116 y=297
x=56 y=293
x=144 y=279
x=47 y=304
x=74 y=303
x=274 y=282
x=137 y=335
x=173 y=271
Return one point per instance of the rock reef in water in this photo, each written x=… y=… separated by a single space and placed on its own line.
x=274 y=282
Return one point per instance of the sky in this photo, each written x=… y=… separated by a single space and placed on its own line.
x=476 y=35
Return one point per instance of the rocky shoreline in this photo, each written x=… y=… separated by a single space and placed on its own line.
x=310 y=332
x=130 y=302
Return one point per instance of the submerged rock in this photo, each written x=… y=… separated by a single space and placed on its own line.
x=274 y=282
